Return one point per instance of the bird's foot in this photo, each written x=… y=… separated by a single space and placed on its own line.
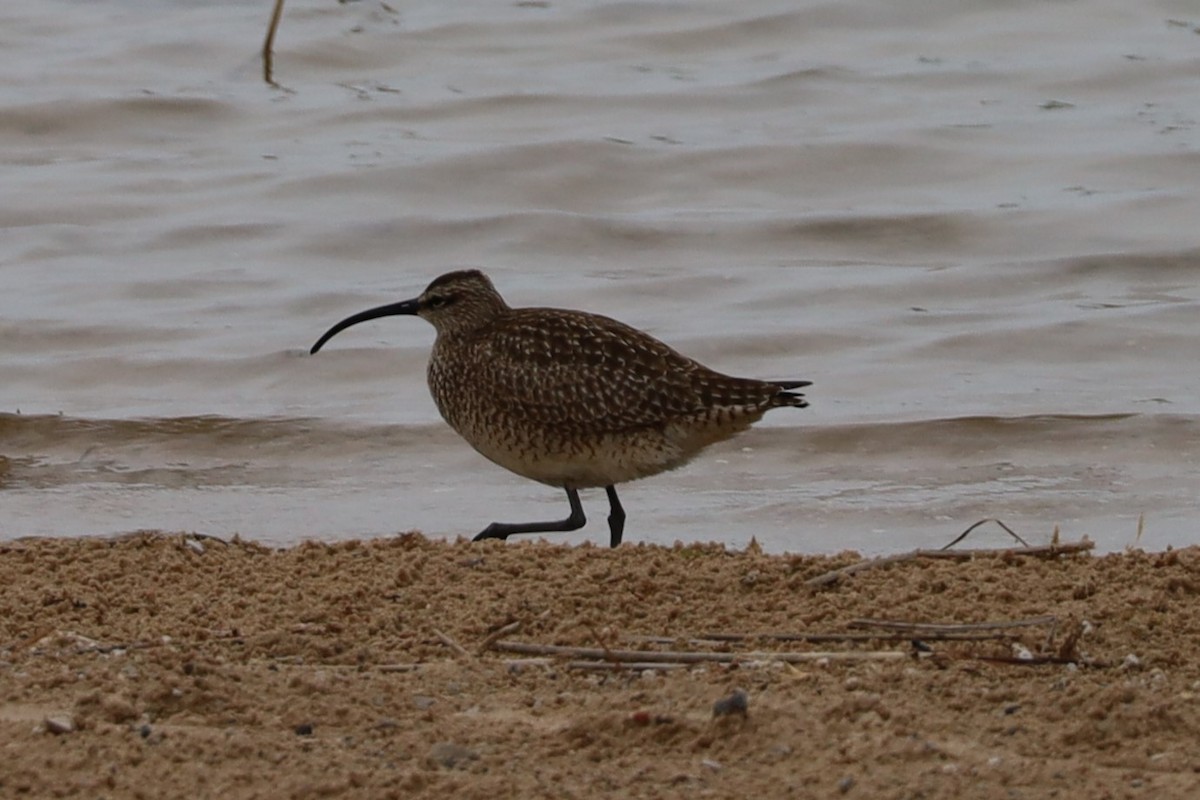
x=494 y=531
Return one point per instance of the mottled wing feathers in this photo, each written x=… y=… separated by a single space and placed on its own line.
x=566 y=368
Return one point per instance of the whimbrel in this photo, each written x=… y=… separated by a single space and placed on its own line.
x=571 y=399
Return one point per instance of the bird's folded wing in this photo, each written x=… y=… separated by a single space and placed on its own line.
x=578 y=369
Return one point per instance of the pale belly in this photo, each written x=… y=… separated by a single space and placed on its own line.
x=603 y=460
x=607 y=460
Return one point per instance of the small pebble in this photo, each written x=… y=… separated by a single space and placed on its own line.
x=845 y=784
x=736 y=703
x=451 y=755
x=60 y=724
x=715 y=766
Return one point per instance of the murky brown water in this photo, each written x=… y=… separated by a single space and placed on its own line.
x=973 y=226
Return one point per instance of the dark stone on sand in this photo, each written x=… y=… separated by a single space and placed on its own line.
x=736 y=703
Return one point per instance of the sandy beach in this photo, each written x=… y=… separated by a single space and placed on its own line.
x=170 y=665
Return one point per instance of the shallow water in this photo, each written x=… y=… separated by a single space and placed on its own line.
x=973 y=226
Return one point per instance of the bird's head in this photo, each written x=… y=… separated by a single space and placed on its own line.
x=454 y=303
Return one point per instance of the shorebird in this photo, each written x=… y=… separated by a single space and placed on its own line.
x=571 y=399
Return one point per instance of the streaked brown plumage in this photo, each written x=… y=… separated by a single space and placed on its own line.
x=571 y=399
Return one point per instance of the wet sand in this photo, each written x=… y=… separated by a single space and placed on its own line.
x=159 y=665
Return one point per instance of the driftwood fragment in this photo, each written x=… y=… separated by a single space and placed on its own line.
x=498 y=634
x=449 y=642
x=1043 y=551
x=1009 y=530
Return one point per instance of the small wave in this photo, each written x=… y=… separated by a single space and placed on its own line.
x=1179 y=263
x=911 y=232
x=45 y=451
x=1114 y=438
x=77 y=120
x=202 y=434
x=31 y=338
x=975 y=432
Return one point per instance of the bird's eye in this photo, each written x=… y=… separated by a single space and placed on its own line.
x=438 y=301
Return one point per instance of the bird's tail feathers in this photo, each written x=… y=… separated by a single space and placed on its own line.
x=790 y=398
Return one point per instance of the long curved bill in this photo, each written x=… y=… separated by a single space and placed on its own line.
x=390 y=310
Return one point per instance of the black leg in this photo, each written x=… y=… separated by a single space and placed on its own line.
x=616 y=517
x=502 y=530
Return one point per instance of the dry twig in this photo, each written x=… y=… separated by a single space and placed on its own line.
x=970 y=528
x=449 y=642
x=1043 y=551
x=499 y=633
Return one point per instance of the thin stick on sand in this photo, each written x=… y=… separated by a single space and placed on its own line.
x=984 y=521
x=498 y=634
x=1052 y=550
x=453 y=645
